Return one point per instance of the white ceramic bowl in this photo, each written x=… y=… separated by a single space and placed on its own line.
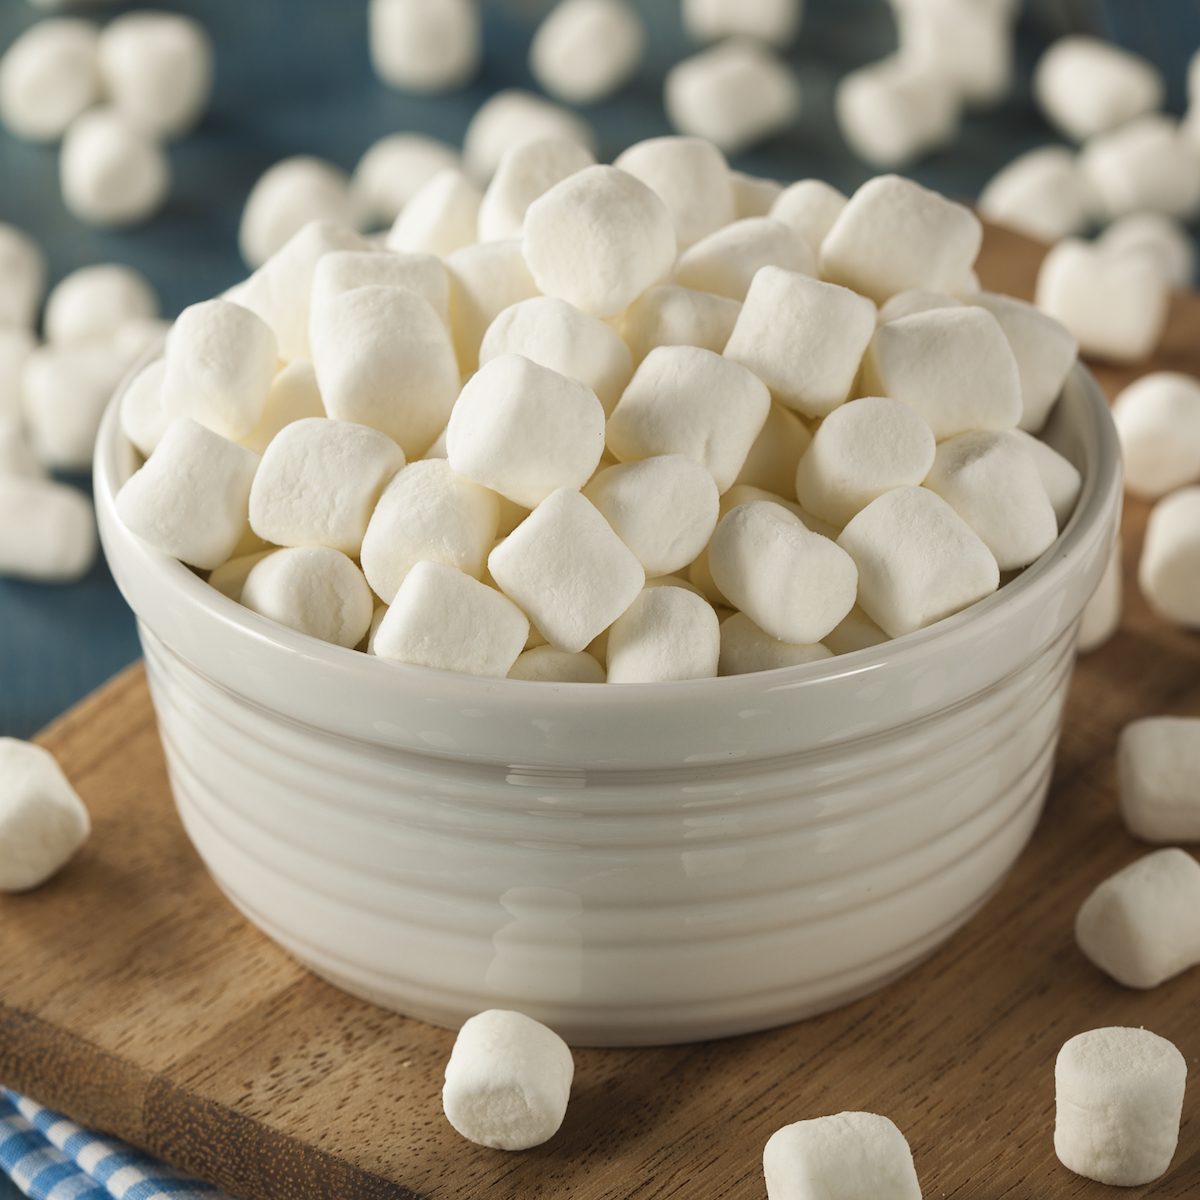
x=630 y=863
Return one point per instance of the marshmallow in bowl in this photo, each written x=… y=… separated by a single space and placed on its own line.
x=510 y=117
x=340 y=271
x=666 y=633
x=810 y=207
x=746 y=648
x=544 y=664
x=669 y=315
x=439 y=218
x=393 y=170
x=1158 y=778
x=527 y=171
x=727 y=261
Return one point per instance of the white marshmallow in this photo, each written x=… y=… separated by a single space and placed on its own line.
x=16 y=455
x=851 y=1155
x=507 y=1081
x=918 y=560
x=586 y=49
x=48 y=77
x=191 y=499
x=544 y=664
x=894 y=234
x=440 y=218
x=1114 y=303
x=16 y=346
x=286 y=198
x=230 y=577
x=42 y=820
x=220 y=360
x=384 y=359
x=753 y=196
x=953 y=365
x=293 y=397
x=1158 y=421
x=835 y=326
x=428 y=513
x=393 y=170
x=344 y=270
x=810 y=207
x=1102 y=613
x=554 y=334
x=1161 y=237
x=1118 y=1098
x=726 y=261
x=527 y=171
x=1086 y=86
x=47 y=531
x=568 y=570
x=314 y=590
x=138 y=337
x=775 y=21
x=426 y=48
x=684 y=400
x=1041 y=193
x=1149 y=165
x=856 y=632
x=861 y=450
x=1158 y=778
x=143 y=416
x=668 y=315
x=745 y=648
x=1169 y=570
x=508 y=118
x=1059 y=476
x=485 y=279
x=771 y=463
x=22 y=278
x=525 y=431
x=691 y=177
x=736 y=95
x=969 y=45
x=157 y=70
x=598 y=240
x=915 y=300
x=666 y=633
x=94 y=302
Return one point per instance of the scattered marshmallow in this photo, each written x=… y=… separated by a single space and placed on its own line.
x=22 y=278
x=810 y=207
x=527 y=171
x=586 y=49
x=1102 y=613
x=772 y=461
x=1161 y=237
x=970 y=46
x=47 y=531
x=1158 y=422
x=508 y=118
x=666 y=633
x=485 y=279
x=441 y=217
x=745 y=649
x=48 y=78
x=16 y=346
x=544 y=664
x=773 y=21
x=93 y=303
x=1041 y=193
x=856 y=632
x=1149 y=165
x=753 y=196
x=344 y=270
x=1169 y=570
x=16 y=455
x=725 y=262
x=393 y=170
x=668 y=315
x=43 y=823
x=1060 y=477
x=1158 y=778
x=426 y=48
x=144 y=417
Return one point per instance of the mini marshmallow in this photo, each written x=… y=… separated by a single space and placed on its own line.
x=1114 y=303
x=663 y=508
x=43 y=823
x=94 y=302
x=990 y=480
x=586 y=49
x=1102 y=613
x=845 y=1157
x=220 y=362
x=1149 y=165
x=1059 y=477
x=1041 y=193
x=554 y=334
x=47 y=531
x=393 y=170
x=426 y=48
x=969 y=46
x=771 y=463
x=1169 y=570
x=191 y=499
x=319 y=482
x=16 y=346
x=230 y=577
x=48 y=77
x=690 y=176
x=666 y=633
x=915 y=300
x=527 y=171
x=544 y=664
x=745 y=649
x=507 y=1081
x=525 y=431
x=440 y=218
x=856 y=632
x=1158 y=778
x=894 y=234
x=861 y=450
x=510 y=117
x=22 y=278
x=834 y=325
x=736 y=95
x=485 y=279
x=753 y=196
x=294 y=396
x=1158 y=422
x=428 y=513
x=1161 y=237
x=669 y=315
x=143 y=416
x=598 y=240
x=568 y=570
x=16 y=455
x=344 y=270
x=1087 y=86
x=726 y=261
x=684 y=400
x=138 y=337
x=287 y=197
x=384 y=359
x=774 y=21
x=953 y=365
x=157 y=70
x=918 y=560
x=810 y=207
x=314 y=590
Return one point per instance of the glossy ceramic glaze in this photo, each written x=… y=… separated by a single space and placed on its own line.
x=633 y=863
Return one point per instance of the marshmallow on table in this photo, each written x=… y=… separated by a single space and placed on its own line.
x=666 y=633
x=1102 y=613
x=1158 y=778
x=47 y=530
x=1169 y=570
x=856 y=632
x=143 y=415
x=191 y=499
x=524 y=430
x=383 y=358
x=669 y=315
x=425 y=48
x=914 y=300
x=22 y=278
x=16 y=455
x=344 y=270
x=1158 y=422
x=598 y=239
x=544 y=664
x=918 y=560
x=16 y=346
x=736 y=95
x=1060 y=477
x=393 y=170
x=1161 y=237
x=771 y=463
x=48 y=77
x=752 y=195
x=725 y=262
x=314 y=590
x=485 y=279
x=774 y=21
x=508 y=118
x=1041 y=193
x=894 y=234
x=745 y=649
x=844 y=1157
x=587 y=49
x=810 y=207
x=42 y=820
x=684 y=400
x=94 y=302
x=441 y=217
x=508 y=1081
x=970 y=46
x=230 y=577
x=1119 y=1099
x=136 y=337
x=427 y=513
x=1149 y=165
x=527 y=171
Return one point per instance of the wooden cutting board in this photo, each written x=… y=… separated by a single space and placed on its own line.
x=135 y=999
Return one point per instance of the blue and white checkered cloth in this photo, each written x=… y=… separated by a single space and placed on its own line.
x=51 y=1158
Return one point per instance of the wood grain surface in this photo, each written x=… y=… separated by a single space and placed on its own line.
x=135 y=999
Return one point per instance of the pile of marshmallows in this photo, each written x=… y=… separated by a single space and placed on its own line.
x=687 y=443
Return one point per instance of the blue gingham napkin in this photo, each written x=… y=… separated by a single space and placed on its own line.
x=51 y=1158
